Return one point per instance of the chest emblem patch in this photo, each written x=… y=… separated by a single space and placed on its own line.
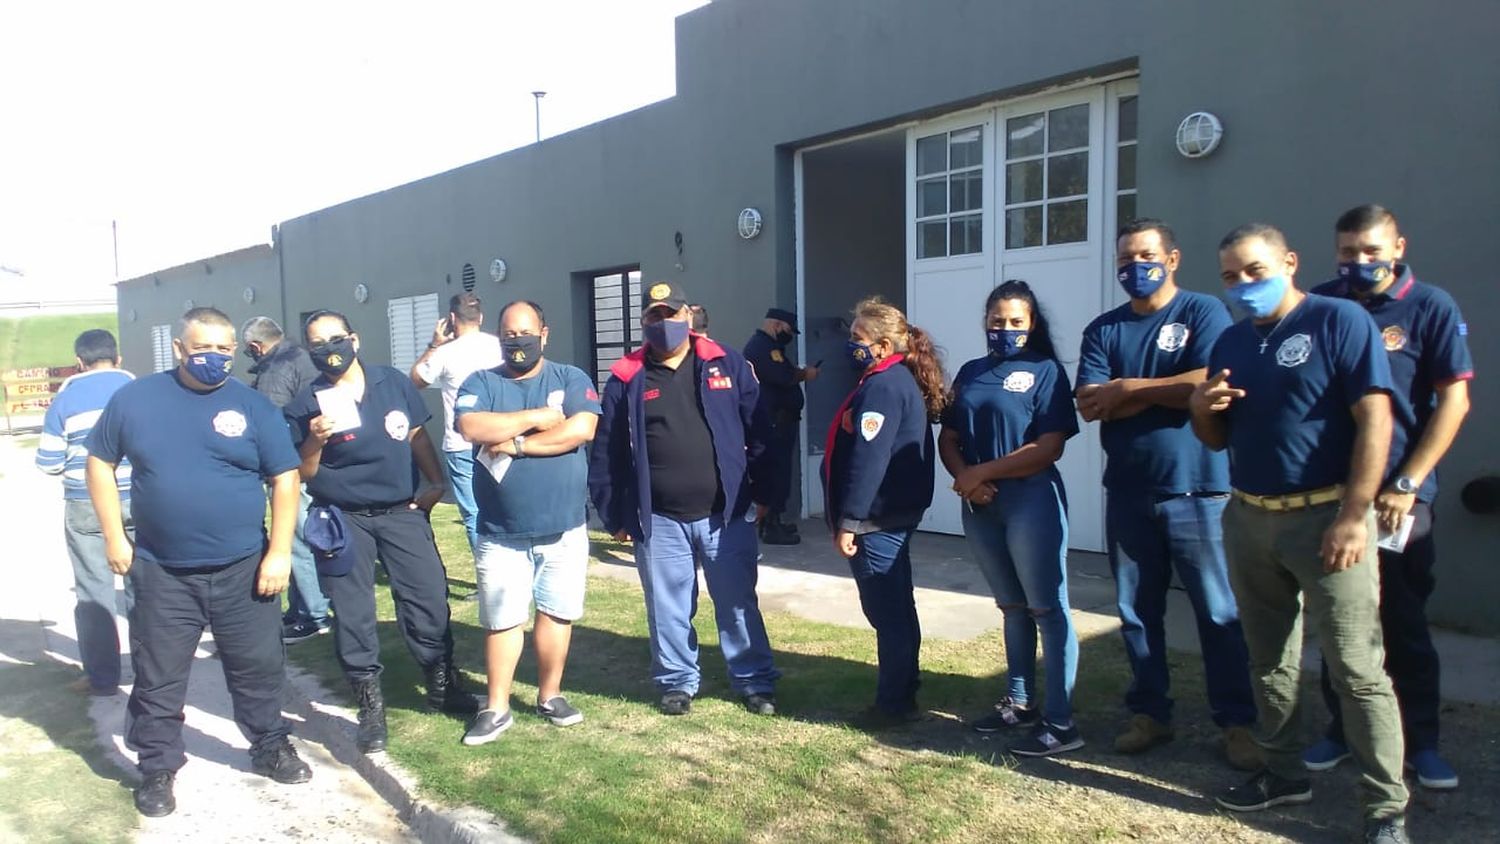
x=1294 y=350
x=720 y=382
x=870 y=424
x=229 y=423
x=1172 y=337
x=777 y=356
x=397 y=425
x=1019 y=381
x=1394 y=337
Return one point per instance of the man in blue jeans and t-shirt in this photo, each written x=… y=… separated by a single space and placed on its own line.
x=1138 y=365
x=66 y=428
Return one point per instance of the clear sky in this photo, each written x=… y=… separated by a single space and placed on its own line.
x=199 y=125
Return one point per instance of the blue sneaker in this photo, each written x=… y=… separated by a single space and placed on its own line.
x=1325 y=755
x=1432 y=772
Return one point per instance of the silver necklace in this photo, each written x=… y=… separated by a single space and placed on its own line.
x=1266 y=340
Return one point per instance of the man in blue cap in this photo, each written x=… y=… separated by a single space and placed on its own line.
x=782 y=401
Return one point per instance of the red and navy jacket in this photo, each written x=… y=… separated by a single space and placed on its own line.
x=878 y=462
x=619 y=470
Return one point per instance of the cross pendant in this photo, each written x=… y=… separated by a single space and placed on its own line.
x=1263 y=347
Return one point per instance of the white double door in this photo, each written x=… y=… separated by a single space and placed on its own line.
x=1029 y=190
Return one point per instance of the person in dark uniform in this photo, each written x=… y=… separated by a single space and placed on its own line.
x=366 y=463
x=201 y=445
x=676 y=469
x=877 y=484
x=1299 y=395
x=1012 y=412
x=782 y=400
x=1425 y=337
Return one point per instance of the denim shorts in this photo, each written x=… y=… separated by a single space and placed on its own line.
x=552 y=569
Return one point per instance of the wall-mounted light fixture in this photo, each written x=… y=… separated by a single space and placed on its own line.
x=361 y=293
x=187 y=305
x=248 y=295
x=498 y=270
x=1199 y=134
x=750 y=223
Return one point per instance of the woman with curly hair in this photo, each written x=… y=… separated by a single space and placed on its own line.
x=877 y=481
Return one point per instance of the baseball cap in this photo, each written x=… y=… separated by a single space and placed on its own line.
x=786 y=316
x=664 y=294
x=327 y=536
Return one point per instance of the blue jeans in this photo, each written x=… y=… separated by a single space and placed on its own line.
x=1020 y=542
x=460 y=466
x=94 y=586
x=1149 y=537
x=882 y=571
x=304 y=597
x=668 y=566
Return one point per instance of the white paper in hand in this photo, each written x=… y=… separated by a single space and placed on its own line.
x=338 y=406
x=496 y=464
x=555 y=400
x=1396 y=541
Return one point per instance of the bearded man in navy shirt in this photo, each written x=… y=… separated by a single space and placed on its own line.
x=1300 y=397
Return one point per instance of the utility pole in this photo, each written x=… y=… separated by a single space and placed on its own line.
x=538 y=96
x=114 y=231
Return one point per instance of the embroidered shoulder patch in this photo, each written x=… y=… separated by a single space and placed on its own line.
x=870 y=424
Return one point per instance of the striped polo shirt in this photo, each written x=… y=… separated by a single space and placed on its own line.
x=69 y=420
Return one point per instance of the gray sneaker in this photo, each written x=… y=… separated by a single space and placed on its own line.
x=559 y=712
x=1386 y=831
x=487 y=726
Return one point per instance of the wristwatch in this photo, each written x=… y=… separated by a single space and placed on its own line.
x=1404 y=485
x=520 y=445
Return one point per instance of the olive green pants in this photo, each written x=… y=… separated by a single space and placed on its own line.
x=1274 y=565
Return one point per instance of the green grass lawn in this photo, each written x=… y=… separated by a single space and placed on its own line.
x=720 y=774
x=46 y=340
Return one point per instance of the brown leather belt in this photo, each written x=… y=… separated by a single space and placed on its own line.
x=1291 y=501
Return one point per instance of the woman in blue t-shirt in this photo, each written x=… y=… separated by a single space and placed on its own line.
x=877 y=481
x=1002 y=435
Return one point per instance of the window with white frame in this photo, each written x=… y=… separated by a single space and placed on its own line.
x=411 y=319
x=1047 y=177
x=950 y=193
x=1125 y=145
x=161 y=348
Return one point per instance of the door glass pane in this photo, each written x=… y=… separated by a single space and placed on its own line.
x=965 y=148
x=1068 y=128
x=966 y=234
x=1023 y=181
x=1068 y=222
x=932 y=197
x=932 y=154
x=1068 y=175
x=1023 y=227
x=1125 y=208
x=932 y=239
x=966 y=190
x=1127 y=168
x=1127 y=119
x=1024 y=135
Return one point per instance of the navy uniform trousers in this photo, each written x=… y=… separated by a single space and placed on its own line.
x=172 y=608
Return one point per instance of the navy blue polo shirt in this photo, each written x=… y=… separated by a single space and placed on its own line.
x=537 y=496
x=1294 y=429
x=370 y=466
x=1155 y=451
x=1000 y=405
x=199 y=462
x=1426 y=342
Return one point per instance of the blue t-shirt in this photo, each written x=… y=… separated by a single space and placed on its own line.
x=1155 y=451
x=199 y=462
x=370 y=466
x=1294 y=429
x=537 y=496
x=1000 y=405
x=1427 y=344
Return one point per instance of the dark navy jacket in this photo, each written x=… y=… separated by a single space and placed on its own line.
x=619 y=470
x=780 y=391
x=878 y=463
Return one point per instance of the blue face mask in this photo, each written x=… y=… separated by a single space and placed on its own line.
x=1142 y=278
x=860 y=356
x=666 y=335
x=1256 y=299
x=1006 y=342
x=209 y=368
x=1362 y=278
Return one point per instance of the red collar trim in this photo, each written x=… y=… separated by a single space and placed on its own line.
x=1406 y=285
x=631 y=364
x=883 y=364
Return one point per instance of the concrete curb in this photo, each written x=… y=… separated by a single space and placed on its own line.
x=333 y=727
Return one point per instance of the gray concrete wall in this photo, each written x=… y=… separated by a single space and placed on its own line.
x=1326 y=105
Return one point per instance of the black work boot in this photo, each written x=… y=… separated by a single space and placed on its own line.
x=153 y=797
x=370 y=735
x=445 y=691
x=773 y=531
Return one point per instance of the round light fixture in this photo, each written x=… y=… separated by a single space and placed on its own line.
x=750 y=223
x=187 y=305
x=249 y=295
x=361 y=293
x=1199 y=134
x=130 y=316
x=498 y=270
